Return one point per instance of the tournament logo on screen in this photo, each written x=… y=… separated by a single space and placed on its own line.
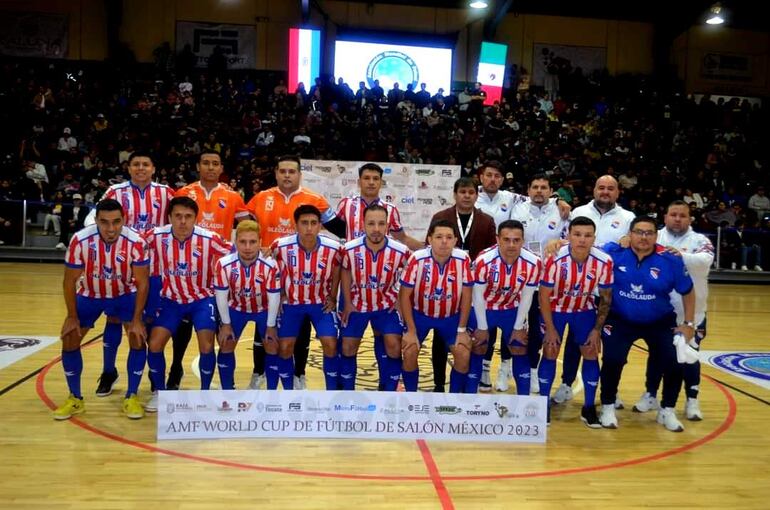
x=391 y=67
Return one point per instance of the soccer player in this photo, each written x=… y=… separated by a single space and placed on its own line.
x=641 y=308
x=309 y=266
x=106 y=272
x=219 y=207
x=247 y=287
x=612 y=223
x=184 y=255
x=144 y=205
x=371 y=266
x=506 y=277
x=436 y=295
x=697 y=253
x=274 y=209
x=542 y=222
x=570 y=279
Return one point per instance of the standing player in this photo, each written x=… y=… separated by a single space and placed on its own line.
x=274 y=209
x=506 y=278
x=184 y=254
x=370 y=269
x=697 y=254
x=144 y=205
x=641 y=308
x=436 y=295
x=219 y=208
x=543 y=223
x=248 y=288
x=309 y=266
x=107 y=272
x=612 y=222
x=570 y=279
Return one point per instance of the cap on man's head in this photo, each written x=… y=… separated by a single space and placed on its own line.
x=100 y=116
x=77 y=196
x=67 y=131
x=509 y=175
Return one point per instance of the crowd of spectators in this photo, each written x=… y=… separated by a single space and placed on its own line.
x=70 y=130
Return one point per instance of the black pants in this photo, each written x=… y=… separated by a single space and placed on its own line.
x=301 y=350
x=659 y=338
x=180 y=341
x=438 y=358
x=535 y=335
x=654 y=373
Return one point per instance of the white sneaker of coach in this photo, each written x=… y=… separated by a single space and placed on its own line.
x=607 y=417
x=563 y=394
x=503 y=374
x=152 y=405
x=667 y=418
x=646 y=403
x=692 y=410
x=257 y=382
x=534 y=382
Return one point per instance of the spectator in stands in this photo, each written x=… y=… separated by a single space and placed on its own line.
x=745 y=243
x=73 y=217
x=722 y=216
x=760 y=203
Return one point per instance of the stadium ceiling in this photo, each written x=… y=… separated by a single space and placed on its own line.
x=672 y=14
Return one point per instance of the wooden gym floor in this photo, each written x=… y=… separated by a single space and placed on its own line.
x=102 y=460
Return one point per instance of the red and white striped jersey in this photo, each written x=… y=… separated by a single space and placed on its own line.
x=437 y=288
x=186 y=267
x=351 y=211
x=106 y=267
x=248 y=284
x=374 y=275
x=144 y=208
x=505 y=282
x=306 y=277
x=574 y=284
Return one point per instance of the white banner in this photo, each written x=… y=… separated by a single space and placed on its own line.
x=15 y=348
x=419 y=191
x=351 y=414
x=238 y=42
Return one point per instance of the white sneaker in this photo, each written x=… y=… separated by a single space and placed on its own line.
x=563 y=394
x=503 y=374
x=485 y=385
x=300 y=383
x=744 y=268
x=758 y=268
x=646 y=403
x=152 y=405
x=667 y=418
x=619 y=403
x=733 y=265
x=534 y=382
x=257 y=382
x=607 y=417
x=60 y=246
x=692 y=410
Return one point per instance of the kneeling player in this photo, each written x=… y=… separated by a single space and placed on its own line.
x=184 y=254
x=370 y=268
x=107 y=268
x=567 y=298
x=436 y=294
x=506 y=279
x=309 y=266
x=247 y=289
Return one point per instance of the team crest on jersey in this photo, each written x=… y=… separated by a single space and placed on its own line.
x=222 y=203
x=615 y=224
x=155 y=205
x=504 y=208
x=235 y=271
x=521 y=278
x=551 y=225
x=321 y=265
x=193 y=195
x=269 y=204
x=590 y=276
x=196 y=252
x=259 y=278
x=387 y=268
x=451 y=278
x=120 y=257
x=607 y=329
x=654 y=272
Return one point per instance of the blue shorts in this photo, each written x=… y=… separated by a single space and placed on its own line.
x=89 y=309
x=385 y=322
x=446 y=327
x=202 y=313
x=238 y=321
x=153 y=298
x=580 y=325
x=504 y=321
x=291 y=319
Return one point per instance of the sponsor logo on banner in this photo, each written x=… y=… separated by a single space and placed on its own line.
x=424 y=172
x=448 y=409
x=323 y=169
x=446 y=172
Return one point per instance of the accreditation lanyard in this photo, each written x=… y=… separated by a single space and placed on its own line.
x=464 y=233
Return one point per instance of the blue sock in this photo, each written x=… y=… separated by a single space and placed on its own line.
x=590 y=380
x=72 y=362
x=156 y=361
x=113 y=334
x=207 y=363
x=457 y=381
x=393 y=370
x=379 y=355
x=331 y=371
x=272 y=362
x=410 y=379
x=286 y=372
x=474 y=373
x=137 y=358
x=545 y=375
x=226 y=367
x=521 y=373
x=348 y=367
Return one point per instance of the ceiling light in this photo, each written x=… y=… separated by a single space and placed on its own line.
x=715 y=15
x=479 y=4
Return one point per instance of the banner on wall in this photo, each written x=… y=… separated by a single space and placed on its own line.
x=418 y=191
x=552 y=60
x=238 y=42
x=723 y=66
x=33 y=35
x=351 y=415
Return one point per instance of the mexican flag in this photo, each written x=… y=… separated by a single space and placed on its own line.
x=492 y=70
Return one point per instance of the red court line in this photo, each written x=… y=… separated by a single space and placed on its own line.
x=435 y=476
x=723 y=427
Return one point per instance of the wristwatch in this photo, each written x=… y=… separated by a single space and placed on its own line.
x=689 y=323
x=461 y=330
